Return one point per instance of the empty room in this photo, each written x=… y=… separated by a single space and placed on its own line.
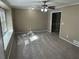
x=39 y=29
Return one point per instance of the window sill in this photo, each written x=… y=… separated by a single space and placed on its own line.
x=6 y=38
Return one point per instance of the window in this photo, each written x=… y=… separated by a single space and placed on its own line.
x=3 y=21
x=6 y=24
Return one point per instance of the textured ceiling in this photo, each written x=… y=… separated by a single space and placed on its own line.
x=38 y=3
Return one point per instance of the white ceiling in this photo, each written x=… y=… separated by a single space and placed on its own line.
x=37 y=3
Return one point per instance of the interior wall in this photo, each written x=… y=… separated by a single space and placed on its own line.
x=69 y=28
x=26 y=19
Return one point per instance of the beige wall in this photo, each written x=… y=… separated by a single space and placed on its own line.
x=69 y=28
x=26 y=18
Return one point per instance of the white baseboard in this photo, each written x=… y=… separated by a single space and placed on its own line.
x=34 y=31
x=68 y=41
x=41 y=31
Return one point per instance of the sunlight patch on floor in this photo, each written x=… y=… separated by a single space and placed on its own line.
x=26 y=42
x=33 y=38
x=30 y=36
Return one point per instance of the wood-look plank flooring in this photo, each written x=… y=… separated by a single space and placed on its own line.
x=48 y=46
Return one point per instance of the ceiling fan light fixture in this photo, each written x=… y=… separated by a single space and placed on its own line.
x=32 y=8
x=44 y=7
x=42 y=10
x=45 y=10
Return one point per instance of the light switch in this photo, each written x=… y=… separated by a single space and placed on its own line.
x=62 y=23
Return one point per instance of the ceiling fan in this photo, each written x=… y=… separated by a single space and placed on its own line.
x=45 y=7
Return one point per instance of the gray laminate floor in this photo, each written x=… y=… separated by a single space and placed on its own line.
x=47 y=46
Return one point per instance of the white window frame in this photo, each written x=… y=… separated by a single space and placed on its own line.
x=3 y=21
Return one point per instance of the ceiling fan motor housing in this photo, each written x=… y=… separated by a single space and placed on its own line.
x=46 y=6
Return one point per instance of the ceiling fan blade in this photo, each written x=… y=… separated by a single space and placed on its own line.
x=51 y=7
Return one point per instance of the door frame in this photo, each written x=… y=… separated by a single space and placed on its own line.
x=50 y=20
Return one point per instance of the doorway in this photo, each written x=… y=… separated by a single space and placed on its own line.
x=56 y=22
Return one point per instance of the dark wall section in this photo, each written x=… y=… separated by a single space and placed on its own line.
x=56 y=22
